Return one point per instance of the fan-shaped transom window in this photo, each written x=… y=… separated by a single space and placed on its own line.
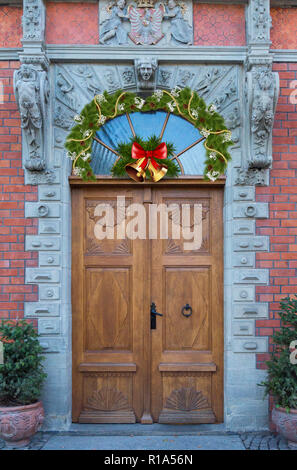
x=187 y=140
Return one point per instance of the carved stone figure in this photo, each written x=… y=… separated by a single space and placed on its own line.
x=112 y=31
x=87 y=79
x=181 y=31
x=32 y=93
x=263 y=92
x=110 y=79
x=146 y=73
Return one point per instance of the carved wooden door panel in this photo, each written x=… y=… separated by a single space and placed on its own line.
x=124 y=371
x=187 y=287
x=108 y=282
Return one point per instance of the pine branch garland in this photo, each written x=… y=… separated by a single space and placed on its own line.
x=181 y=102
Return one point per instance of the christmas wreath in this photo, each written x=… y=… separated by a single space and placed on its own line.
x=155 y=154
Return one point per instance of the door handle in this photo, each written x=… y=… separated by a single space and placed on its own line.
x=154 y=313
x=187 y=311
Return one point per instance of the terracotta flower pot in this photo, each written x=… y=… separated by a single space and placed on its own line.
x=19 y=423
x=286 y=425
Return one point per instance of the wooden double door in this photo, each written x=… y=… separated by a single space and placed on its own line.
x=130 y=365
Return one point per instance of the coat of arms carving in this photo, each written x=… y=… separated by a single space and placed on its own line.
x=146 y=22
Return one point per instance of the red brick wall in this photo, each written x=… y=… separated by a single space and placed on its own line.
x=13 y=194
x=219 y=25
x=283 y=33
x=72 y=23
x=11 y=26
x=281 y=195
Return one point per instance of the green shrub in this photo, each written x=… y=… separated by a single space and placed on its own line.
x=21 y=375
x=281 y=382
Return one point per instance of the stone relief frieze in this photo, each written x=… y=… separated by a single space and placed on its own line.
x=87 y=79
x=76 y=85
x=223 y=91
x=185 y=77
x=208 y=80
x=33 y=20
x=227 y=94
x=127 y=76
x=146 y=22
x=31 y=89
x=66 y=92
x=48 y=176
x=165 y=77
x=233 y=122
x=259 y=21
x=251 y=177
x=62 y=116
x=110 y=79
x=60 y=137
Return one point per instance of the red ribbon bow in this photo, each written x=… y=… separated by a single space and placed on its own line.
x=139 y=152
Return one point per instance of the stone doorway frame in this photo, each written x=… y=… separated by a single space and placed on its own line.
x=49 y=169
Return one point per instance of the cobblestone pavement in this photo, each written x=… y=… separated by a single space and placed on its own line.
x=263 y=441
x=251 y=441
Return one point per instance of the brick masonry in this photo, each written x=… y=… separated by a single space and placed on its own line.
x=13 y=195
x=281 y=226
x=11 y=26
x=284 y=28
x=219 y=25
x=81 y=26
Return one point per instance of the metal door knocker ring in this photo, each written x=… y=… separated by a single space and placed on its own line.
x=187 y=311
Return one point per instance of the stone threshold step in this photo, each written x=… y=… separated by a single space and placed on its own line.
x=145 y=429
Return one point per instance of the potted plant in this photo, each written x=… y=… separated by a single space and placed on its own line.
x=21 y=380
x=281 y=382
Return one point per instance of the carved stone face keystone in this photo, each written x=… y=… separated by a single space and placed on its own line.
x=145 y=71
